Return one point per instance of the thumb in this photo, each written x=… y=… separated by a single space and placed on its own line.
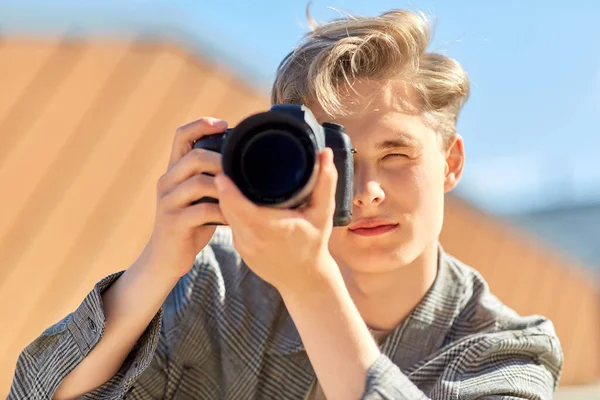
x=322 y=200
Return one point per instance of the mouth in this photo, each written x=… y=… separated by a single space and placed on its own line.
x=372 y=227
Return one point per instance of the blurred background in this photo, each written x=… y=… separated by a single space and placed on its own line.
x=92 y=91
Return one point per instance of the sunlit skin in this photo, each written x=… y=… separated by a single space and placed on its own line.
x=337 y=282
x=403 y=168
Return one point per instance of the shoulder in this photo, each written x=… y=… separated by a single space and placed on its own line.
x=482 y=311
x=497 y=336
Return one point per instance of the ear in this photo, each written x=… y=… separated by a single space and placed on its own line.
x=455 y=161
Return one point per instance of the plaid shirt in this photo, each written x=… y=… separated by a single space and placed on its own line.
x=225 y=333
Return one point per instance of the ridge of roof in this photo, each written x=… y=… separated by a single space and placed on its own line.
x=192 y=42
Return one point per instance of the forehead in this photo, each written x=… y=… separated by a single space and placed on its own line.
x=379 y=112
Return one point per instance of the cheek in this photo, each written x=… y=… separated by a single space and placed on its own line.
x=405 y=186
x=416 y=187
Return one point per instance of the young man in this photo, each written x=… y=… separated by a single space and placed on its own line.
x=298 y=309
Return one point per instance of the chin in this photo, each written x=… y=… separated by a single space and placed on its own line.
x=375 y=259
x=384 y=253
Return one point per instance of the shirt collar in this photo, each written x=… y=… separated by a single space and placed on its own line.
x=419 y=335
x=424 y=331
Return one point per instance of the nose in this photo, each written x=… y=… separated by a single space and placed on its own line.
x=367 y=192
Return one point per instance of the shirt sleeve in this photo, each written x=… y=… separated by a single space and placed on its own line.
x=509 y=365
x=386 y=381
x=517 y=365
x=45 y=362
x=152 y=368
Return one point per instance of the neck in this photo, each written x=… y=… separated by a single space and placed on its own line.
x=385 y=299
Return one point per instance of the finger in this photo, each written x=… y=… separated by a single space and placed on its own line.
x=322 y=201
x=186 y=135
x=234 y=204
x=195 y=162
x=192 y=189
x=202 y=214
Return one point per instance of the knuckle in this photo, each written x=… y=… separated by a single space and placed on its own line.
x=202 y=122
x=199 y=182
x=206 y=121
x=199 y=157
x=192 y=156
x=202 y=213
x=199 y=154
x=180 y=131
x=161 y=183
x=207 y=158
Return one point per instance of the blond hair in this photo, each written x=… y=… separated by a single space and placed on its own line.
x=389 y=46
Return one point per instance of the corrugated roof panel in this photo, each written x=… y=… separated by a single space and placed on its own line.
x=42 y=145
x=22 y=61
x=37 y=94
x=76 y=185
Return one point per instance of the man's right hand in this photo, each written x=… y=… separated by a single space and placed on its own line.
x=179 y=232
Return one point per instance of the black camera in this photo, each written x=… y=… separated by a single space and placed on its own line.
x=272 y=158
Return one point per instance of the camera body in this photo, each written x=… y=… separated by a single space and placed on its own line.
x=272 y=157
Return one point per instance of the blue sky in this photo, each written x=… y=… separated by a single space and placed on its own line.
x=531 y=126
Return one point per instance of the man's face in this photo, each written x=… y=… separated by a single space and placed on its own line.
x=401 y=172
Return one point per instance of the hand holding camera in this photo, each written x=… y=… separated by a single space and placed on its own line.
x=281 y=173
x=286 y=181
x=181 y=228
x=272 y=157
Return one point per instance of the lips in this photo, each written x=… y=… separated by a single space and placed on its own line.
x=372 y=226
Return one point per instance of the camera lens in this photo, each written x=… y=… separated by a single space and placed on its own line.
x=274 y=164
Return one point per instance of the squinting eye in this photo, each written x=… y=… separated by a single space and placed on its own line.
x=394 y=155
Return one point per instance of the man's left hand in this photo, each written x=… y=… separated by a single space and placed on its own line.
x=287 y=248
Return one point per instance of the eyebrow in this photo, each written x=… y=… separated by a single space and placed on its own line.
x=401 y=140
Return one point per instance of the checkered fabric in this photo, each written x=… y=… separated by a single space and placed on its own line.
x=223 y=333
